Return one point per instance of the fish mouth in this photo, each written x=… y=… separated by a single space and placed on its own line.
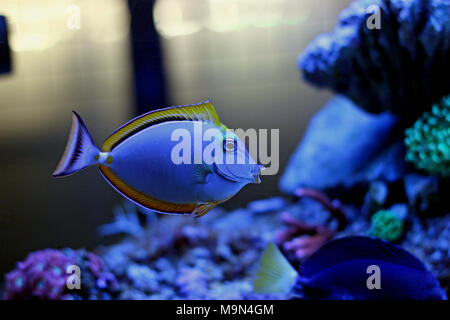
x=257 y=175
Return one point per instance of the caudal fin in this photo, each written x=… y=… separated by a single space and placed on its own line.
x=80 y=151
x=275 y=274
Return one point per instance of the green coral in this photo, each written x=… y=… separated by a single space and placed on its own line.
x=386 y=225
x=428 y=140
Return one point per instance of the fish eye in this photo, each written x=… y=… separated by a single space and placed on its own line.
x=229 y=144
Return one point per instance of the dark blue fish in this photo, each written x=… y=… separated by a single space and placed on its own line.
x=341 y=270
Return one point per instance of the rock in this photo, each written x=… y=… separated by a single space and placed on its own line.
x=344 y=147
x=375 y=197
x=422 y=192
x=401 y=210
x=402 y=67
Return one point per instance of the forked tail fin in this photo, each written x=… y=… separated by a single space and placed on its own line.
x=80 y=151
x=275 y=274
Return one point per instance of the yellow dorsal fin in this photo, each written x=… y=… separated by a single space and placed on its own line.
x=203 y=111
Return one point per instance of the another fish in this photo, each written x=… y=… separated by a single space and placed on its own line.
x=339 y=270
x=137 y=159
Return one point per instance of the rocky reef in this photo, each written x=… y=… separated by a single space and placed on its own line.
x=210 y=258
x=402 y=67
x=382 y=144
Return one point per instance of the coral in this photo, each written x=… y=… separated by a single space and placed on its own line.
x=386 y=225
x=43 y=276
x=303 y=239
x=192 y=282
x=208 y=258
x=431 y=243
x=216 y=257
x=375 y=198
x=402 y=67
x=126 y=220
x=428 y=140
x=143 y=278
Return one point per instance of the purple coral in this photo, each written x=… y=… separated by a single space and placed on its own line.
x=402 y=67
x=43 y=276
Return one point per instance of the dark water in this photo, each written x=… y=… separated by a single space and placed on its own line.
x=249 y=73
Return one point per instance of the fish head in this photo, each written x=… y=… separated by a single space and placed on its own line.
x=234 y=162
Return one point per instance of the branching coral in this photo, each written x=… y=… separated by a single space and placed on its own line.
x=126 y=220
x=428 y=140
x=386 y=225
x=402 y=67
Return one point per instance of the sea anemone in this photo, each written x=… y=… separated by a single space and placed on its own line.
x=386 y=225
x=428 y=140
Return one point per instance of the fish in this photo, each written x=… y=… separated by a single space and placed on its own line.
x=345 y=269
x=141 y=159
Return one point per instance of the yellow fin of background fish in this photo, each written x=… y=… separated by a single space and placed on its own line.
x=145 y=200
x=275 y=274
x=203 y=111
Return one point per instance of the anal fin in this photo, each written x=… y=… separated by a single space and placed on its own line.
x=144 y=200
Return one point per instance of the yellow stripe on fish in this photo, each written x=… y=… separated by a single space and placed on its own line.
x=203 y=111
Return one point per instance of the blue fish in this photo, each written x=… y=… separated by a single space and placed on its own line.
x=341 y=270
x=138 y=159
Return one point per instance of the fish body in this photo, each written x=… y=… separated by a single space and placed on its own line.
x=341 y=270
x=140 y=159
x=138 y=167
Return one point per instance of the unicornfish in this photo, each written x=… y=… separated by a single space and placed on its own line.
x=177 y=160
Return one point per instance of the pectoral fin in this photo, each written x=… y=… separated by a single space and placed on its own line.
x=201 y=173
